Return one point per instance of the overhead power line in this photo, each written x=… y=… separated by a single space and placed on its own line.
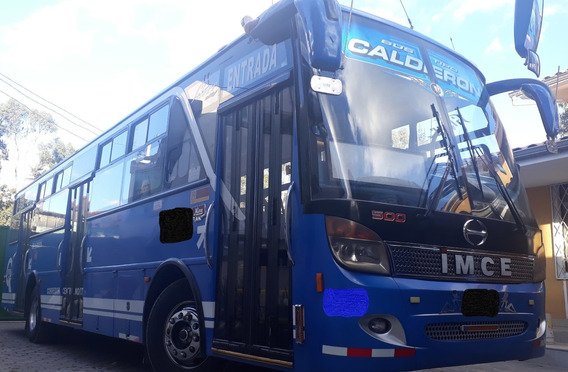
x=59 y=127
x=97 y=131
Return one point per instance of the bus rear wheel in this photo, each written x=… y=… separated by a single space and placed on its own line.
x=173 y=333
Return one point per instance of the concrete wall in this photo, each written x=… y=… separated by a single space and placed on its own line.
x=541 y=205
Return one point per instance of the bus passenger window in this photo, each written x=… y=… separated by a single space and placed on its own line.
x=39 y=223
x=62 y=179
x=42 y=188
x=105 y=154
x=48 y=187
x=84 y=163
x=140 y=134
x=143 y=172
x=158 y=123
x=50 y=213
x=118 y=146
x=105 y=193
x=113 y=149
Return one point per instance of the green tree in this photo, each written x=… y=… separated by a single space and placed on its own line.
x=17 y=123
x=6 y=204
x=51 y=154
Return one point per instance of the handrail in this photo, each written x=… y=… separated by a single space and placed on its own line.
x=59 y=255
x=81 y=248
x=26 y=255
x=287 y=223
x=205 y=240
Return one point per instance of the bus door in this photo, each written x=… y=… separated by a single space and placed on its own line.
x=72 y=265
x=24 y=259
x=253 y=303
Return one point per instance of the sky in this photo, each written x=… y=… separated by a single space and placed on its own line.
x=102 y=59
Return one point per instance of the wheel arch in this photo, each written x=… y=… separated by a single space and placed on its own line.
x=167 y=273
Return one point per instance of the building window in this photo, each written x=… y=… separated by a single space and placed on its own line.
x=560 y=229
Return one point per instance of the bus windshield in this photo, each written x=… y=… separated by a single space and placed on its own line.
x=414 y=127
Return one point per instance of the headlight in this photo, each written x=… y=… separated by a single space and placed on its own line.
x=356 y=247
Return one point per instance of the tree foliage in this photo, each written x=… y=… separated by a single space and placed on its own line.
x=17 y=122
x=51 y=154
x=6 y=204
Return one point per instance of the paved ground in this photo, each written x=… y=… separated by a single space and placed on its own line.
x=75 y=351
x=78 y=352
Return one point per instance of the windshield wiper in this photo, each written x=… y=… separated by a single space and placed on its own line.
x=469 y=145
x=451 y=165
x=485 y=156
x=434 y=201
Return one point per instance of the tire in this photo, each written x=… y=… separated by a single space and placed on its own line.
x=37 y=331
x=174 y=339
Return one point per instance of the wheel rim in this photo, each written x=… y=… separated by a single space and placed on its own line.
x=34 y=308
x=182 y=336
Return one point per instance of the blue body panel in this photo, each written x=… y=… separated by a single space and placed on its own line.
x=122 y=256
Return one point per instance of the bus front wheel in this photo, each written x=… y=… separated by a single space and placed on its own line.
x=173 y=333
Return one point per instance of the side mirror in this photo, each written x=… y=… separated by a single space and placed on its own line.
x=528 y=23
x=321 y=20
x=537 y=91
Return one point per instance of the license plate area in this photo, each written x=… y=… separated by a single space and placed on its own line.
x=480 y=302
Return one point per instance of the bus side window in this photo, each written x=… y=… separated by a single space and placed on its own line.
x=139 y=137
x=158 y=123
x=105 y=154
x=143 y=172
x=50 y=213
x=113 y=149
x=62 y=179
x=183 y=164
x=105 y=193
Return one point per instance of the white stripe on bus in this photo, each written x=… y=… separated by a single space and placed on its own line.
x=8 y=296
x=51 y=299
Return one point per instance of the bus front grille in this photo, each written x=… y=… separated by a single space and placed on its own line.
x=474 y=330
x=453 y=264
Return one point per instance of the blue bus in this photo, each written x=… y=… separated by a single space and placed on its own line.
x=330 y=191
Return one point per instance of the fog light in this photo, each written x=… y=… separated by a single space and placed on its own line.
x=379 y=325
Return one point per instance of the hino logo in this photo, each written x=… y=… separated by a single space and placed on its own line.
x=475 y=232
x=466 y=265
